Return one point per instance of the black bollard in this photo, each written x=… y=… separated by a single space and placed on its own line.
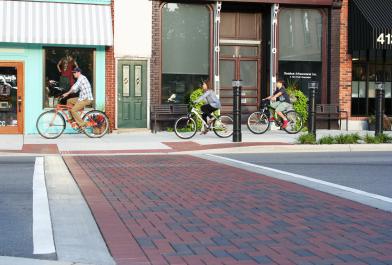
x=237 y=136
x=312 y=86
x=379 y=128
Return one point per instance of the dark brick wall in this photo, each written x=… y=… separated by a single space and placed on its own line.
x=155 y=66
x=334 y=54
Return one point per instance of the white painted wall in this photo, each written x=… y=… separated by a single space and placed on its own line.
x=132 y=28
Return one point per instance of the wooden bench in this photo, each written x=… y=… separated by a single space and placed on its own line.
x=167 y=112
x=331 y=112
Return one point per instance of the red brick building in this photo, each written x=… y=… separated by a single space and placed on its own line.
x=257 y=41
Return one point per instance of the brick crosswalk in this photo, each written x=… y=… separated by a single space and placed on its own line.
x=170 y=209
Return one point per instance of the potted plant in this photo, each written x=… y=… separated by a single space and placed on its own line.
x=371 y=122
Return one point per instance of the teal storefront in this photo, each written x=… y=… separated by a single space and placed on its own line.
x=40 y=42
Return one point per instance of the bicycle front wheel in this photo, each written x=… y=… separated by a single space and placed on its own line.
x=97 y=124
x=258 y=122
x=185 y=127
x=295 y=120
x=223 y=126
x=50 y=124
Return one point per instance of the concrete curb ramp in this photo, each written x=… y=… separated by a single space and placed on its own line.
x=296 y=148
x=77 y=236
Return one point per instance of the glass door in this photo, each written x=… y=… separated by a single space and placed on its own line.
x=11 y=97
x=240 y=62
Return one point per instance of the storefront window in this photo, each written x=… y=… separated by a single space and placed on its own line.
x=59 y=63
x=185 y=50
x=300 y=47
x=369 y=68
x=8 y=96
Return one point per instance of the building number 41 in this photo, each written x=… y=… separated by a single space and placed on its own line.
x=382 y=38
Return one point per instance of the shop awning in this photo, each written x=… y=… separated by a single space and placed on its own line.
x=55 y=23
x=370 y=24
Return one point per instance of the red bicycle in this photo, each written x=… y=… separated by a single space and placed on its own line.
x=51 y=124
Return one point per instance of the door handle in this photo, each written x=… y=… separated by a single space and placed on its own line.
x=19 y=103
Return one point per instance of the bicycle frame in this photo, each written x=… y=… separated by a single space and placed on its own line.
x=63 y=109
x=194 y=111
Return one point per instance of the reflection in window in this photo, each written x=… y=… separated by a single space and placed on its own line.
x=300 y=48
x=296 y=43
x=59 y=63
x=185 y=49
x=291 y=31
x=305 y=21
x=369 y=68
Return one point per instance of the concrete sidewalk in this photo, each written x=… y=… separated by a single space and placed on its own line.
x=23 y=261
x=168 y=142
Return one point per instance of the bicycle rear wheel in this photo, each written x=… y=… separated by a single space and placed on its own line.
x=97 y=124
x=223 y=126
x=258 y=122
x=296 y=122
x=185 y=127
x=50 y=124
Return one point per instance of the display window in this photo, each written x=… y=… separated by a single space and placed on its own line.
x=300 y=47
x=369 y=68
x=59 y=63
x=185 y=50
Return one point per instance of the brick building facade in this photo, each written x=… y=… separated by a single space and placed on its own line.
x=311 y=40
x=345 y=62
x=328 y=60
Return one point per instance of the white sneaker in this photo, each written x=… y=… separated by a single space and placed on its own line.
x=204 y=130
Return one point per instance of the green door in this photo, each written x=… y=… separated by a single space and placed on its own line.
x=132 y=94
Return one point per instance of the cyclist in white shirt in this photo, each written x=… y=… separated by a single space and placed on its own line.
x=85 y=96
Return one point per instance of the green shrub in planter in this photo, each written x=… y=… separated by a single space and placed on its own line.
x=347 y=138
x=379 y=139
x=384 y=138
x=299 y=101
x=370 y=139
x=326 y=140
x=196 y=93
x=307 y=138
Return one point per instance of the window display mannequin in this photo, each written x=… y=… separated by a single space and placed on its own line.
x=65 y=66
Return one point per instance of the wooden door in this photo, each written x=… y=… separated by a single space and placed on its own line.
x=11 y=97
x=246 y=69
x=132 y=94
x=240 y=59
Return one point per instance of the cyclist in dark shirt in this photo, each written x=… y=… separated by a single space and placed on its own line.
x=280 y=101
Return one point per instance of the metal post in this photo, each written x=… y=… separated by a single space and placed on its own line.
x=379 y=108
x=237 y=137
x=312 y=86
x=274 y=45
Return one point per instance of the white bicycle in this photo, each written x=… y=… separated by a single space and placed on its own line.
x=186 y=127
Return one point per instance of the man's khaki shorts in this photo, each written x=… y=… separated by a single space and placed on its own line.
x=280 y=106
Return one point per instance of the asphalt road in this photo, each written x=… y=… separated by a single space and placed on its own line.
x=16 y=207
x=366 y=171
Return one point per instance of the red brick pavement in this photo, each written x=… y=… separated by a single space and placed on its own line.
x=185 y=210
x=36 y=149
